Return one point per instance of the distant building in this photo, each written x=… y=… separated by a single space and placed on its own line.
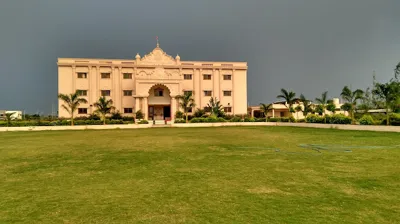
x=16 y=115
x=281 y=109
x=152 y=82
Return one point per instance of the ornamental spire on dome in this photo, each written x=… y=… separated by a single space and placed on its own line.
x=158 y=45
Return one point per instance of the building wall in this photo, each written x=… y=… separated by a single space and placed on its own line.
x=153 y=69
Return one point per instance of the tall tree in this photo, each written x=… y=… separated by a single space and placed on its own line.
x=389 y=93
x=216 y=107
x=71 y=103
x=351 y=97
x=186 y=101
x=289 y=98
x=322 y=102
x=103 y=107
x=9 y=118
x=265 y=109
x=307 y=107
x=331 y=106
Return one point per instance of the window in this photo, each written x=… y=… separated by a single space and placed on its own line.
x=227 y=77
x=158 y=92
x=127 y=92
x=82 y=75
x=227 y=93
x=105 y=92
x=82 y=110
x=206 y=77
x=105 y=75
x=189 y=109
x=128 y=110
x=207 y=93
x=127 y=75
x=82 y=92
x=187 y=76
x=187 y=92
x=227 y=109
x=207 y=109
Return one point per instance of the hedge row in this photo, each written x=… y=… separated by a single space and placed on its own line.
x=61 y=123
x=330 y=119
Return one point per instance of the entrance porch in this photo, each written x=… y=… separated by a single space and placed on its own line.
x=160 y=112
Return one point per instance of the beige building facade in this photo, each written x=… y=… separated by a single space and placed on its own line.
x=151 y=83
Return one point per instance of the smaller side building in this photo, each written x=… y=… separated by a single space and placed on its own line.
x=16 y=114
x=281 y=109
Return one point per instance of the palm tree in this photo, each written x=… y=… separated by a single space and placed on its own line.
x=322 y=102
x=186 y=101
x=8 y=118
x=298 y=109
x=331 y=107
x=289 y=98
x=71 y=103
x=307 y=107
x=351 y=97
x=216 y=107
x=388 y=93
x=104 y=107
x=264 y=108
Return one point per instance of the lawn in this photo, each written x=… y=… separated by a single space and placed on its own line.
x=200 y=175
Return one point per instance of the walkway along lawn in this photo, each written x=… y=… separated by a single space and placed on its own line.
x=200 y=175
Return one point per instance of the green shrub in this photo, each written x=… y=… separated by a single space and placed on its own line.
x=287 y=119
x=249 y=119
x=139 y=114
x=366 y=120
x=338 y=119
x=211 y=119
x=394 y=119
x=127 y=118
x=221 y=119
x=197 y=120
x=93 y=117
x=312 y=118
x=179 y=115
x=179 y=121
x=236 y=119
x=259 y=119
x=143 y=122
x=301 y=120
x=116 y=116
x=274 y=119
x=199 y=113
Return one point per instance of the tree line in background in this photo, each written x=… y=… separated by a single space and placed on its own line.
x=380 y=96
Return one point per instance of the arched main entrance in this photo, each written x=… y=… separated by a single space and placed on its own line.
x=159 y=103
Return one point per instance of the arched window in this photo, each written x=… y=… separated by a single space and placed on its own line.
x=158 y=92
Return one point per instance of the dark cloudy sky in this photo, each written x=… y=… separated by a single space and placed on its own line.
x=308 y=46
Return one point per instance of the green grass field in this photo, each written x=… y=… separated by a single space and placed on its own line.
x=200 y=175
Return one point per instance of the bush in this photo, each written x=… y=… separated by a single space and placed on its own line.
x=274 y=119
x=312 y=118
x=197 y=120
x=93 y=117
x=260 y=120
x=126 y=118
x=143 y=122
x=236 y=119
x=228 y=117
x=179 y=121
x=211 y=119
x=249 y=119
x=338 y=119
x=221 y=119
x=394 y=119
x=199 y=113
x=301 y=120
x=366 y=120
x=179 y=115
x=139 y=114
x=288 y=119
x=116 y=116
